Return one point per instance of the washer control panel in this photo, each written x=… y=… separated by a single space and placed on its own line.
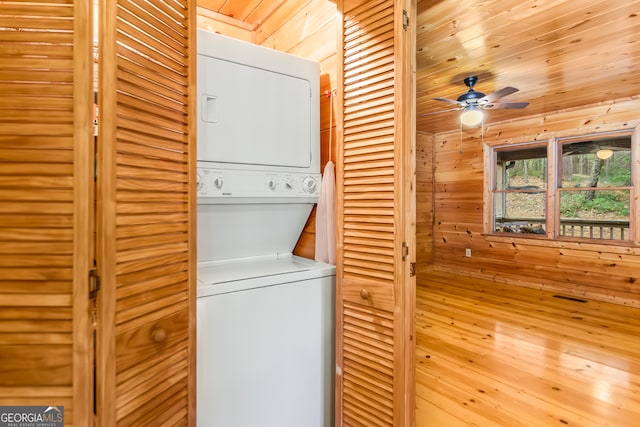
x=247 y=184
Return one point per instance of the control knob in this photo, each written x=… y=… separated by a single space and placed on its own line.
x=288 y=184
x=199 y=182
x=217 y=182
x=309 y=184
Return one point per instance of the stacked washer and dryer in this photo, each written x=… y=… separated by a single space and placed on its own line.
x=265 y=318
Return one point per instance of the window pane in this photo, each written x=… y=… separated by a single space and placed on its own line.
x=597 y=163
x=523 y=169
x=595 y=214
x=520 y=212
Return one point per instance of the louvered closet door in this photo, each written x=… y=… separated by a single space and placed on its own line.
x=146 y=215
x=46 y=175
x=376 y=293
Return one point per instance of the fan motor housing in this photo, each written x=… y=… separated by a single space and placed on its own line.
x=472 y=94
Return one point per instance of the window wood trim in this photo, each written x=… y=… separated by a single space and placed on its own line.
x=490 y=158
x=634 y=208
x=554 y=155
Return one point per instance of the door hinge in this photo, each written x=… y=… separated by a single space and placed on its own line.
x=94 y=283
x=405 y=19
x=405 y=251
x=412 y=269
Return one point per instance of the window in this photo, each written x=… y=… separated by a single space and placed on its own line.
x=594 y=188
x=520 y=189
x=590 y=195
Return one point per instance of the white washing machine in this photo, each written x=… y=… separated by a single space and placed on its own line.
x=265 y=318
x=265 y=343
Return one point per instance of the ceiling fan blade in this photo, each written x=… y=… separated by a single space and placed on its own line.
x=440 y=111
x=452 y=101
x=505 y=105
x=498 y=94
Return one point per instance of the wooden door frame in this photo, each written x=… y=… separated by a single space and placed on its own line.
x=106 y=222
x=84 y=196
x=407 y=50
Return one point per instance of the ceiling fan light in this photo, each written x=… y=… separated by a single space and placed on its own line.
x=604 y=153
x=471 y=116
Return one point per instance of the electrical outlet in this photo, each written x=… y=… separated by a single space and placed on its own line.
x=467 y=252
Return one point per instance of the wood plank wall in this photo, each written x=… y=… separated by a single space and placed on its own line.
x=308 y=29
x=424 y=201
x=605 y=272
x=218 y=23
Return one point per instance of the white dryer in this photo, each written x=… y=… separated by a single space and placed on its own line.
x=265 y=318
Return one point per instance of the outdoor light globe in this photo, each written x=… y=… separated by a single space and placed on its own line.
x=471 y=117
x=604 y=154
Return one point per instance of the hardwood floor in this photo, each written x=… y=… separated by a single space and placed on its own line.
x=497 y=355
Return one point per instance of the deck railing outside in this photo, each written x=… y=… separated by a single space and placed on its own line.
x=585 y=228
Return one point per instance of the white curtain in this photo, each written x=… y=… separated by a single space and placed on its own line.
x=326 y=217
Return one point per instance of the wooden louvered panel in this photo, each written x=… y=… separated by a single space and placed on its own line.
x=369 y=157
x=131 y=243
x=160 y=70
x=45 y=175
x=368 y=366
x=144 y=155
x=374 y=289
x=142 y=105
x=147 y=214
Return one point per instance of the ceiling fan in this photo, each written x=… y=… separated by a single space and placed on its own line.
x=472 y=102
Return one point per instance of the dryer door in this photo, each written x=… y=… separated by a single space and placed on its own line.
x=252 y=116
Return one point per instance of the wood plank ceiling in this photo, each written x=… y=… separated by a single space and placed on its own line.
x=561 y=54
x=251 y=12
